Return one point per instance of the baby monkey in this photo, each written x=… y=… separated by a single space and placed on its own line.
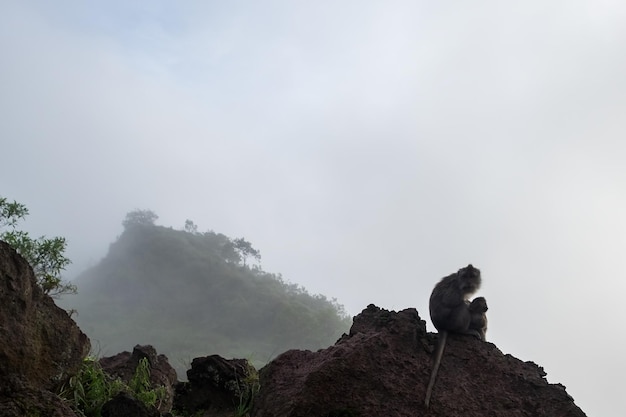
x=478 y=309
x=452 y=312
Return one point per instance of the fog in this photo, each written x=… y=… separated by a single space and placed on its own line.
x=366 y=148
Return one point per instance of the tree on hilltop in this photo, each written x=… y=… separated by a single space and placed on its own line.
x=190 y=227
x=245 y=250
x=140 y=218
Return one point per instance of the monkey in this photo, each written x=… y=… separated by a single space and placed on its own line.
x=478 y=308
x=450 y=312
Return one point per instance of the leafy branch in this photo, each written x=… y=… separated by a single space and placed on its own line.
x=46 y=256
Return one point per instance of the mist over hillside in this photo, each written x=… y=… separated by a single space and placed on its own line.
x=192 y=294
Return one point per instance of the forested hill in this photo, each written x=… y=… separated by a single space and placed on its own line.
x=193 y=294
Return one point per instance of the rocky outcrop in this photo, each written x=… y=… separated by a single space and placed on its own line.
x=20 y=401
x=217 y=387
x=162 y=374
x=41 y=345
x=123 y=405
x=383 y=366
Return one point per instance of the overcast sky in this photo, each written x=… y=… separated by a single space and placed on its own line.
x=366 y=148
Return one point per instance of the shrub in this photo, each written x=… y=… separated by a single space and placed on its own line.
x=91 y=388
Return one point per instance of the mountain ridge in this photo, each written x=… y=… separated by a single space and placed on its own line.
x=188 y=293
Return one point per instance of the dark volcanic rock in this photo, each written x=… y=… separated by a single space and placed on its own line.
x=124 y=365
x=41 y=346
x=123 y=405
x=24 y=401
x=216 y=386
x=383 y=366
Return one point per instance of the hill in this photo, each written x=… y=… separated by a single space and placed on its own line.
x=190 y=294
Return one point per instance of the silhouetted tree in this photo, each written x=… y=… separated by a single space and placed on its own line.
x=140 y=218
x=245 y=250
x=229 y=253
x=190 y=227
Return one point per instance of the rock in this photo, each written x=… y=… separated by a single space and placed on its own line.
x=216 y=387
x=41 y=345
x=123 y=405
x=25 y=401
x=383 y=366
x=124 y=365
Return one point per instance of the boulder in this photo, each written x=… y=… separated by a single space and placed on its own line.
x=217 y=387
x=20 y=401
x=41 y=345
x=124 y=365
x=123 y=405
x=383 y=366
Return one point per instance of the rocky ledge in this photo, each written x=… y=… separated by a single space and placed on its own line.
x=40 y=345
x=383 y=366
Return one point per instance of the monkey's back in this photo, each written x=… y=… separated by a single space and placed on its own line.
x=448 y=307
x=443 y=300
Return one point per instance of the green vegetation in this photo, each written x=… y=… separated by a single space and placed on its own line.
x=140 y=386
x=248 y=389
x=91 y=388
x=45 y=256
x=192 y=294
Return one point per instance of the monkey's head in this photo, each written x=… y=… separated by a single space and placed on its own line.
x=469 y=279
x=478 y=305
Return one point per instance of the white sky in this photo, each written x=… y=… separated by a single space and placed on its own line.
x=367 y=148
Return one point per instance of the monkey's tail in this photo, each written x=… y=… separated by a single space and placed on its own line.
x=440 y=346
